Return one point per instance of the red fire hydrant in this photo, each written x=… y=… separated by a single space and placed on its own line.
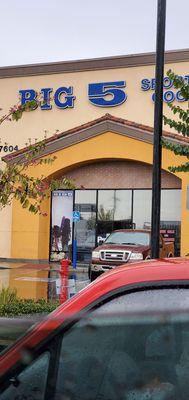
x=64 y=270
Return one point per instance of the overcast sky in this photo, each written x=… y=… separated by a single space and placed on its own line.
x=55 y=30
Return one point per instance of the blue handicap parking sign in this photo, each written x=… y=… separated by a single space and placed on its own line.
x=76 y=216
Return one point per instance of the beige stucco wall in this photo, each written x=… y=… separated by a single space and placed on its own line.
x=30 y=233
x=5 y=231
x=138 y=106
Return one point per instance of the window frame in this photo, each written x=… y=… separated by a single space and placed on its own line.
x=133 y=190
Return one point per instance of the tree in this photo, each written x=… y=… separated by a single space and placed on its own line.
x=181 y=124
x=104 y=215
x=16 y=183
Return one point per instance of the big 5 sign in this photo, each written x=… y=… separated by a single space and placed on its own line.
x=98 y=93
x=63 y=97
x=103 y=94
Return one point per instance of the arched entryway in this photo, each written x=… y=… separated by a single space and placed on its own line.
x=111 y=155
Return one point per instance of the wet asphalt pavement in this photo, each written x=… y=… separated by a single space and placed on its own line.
x=36 y=281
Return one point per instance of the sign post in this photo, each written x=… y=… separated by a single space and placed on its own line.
x=76 y=218
x=158 y=116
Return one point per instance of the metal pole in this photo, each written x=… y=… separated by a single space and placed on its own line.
x=158 y=116
x=75 y=247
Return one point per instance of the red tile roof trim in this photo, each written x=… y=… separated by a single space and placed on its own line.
x=105 y=117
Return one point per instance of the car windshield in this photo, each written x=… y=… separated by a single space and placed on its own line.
x=130 y=238
x=131 y=357
x=134 y=347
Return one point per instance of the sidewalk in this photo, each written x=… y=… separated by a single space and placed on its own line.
x=51 y=266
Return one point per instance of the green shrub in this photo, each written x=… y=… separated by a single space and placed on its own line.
x=27 y=306
x=8 y=295
x=11 y=305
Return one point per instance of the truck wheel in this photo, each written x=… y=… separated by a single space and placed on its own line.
x=148 y=258
x=170 y=255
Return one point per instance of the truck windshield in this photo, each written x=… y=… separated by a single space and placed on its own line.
x=130 y=238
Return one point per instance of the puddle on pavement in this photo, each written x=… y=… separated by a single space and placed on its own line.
x=40 y=282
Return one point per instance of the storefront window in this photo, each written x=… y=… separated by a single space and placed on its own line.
x=170 y=213
x=114 y=211
x=142 y=201
x=104 y=211
x=171 y=205
x=171 y=217
x=85 y=229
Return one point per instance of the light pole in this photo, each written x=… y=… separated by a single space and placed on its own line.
x=158 y=116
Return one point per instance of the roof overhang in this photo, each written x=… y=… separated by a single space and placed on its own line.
x=93 y=64
x=106 y=123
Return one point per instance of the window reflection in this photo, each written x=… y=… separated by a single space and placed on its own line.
x=114 y=211
x=142 y=209
x=85 y=203
x=114 y=204
x=171 y=217
x=171 y=205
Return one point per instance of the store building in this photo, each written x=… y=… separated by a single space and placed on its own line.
x=102 y=114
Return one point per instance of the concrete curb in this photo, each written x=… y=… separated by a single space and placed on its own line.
x=83 y=268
